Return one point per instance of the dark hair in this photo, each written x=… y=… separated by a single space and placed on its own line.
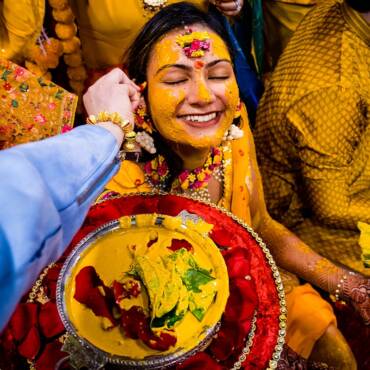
x=169 y=18
x=359 y=5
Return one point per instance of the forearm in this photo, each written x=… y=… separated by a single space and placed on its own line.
x=46 y=190
x=295 y=256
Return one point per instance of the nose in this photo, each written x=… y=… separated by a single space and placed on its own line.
x=200 y=92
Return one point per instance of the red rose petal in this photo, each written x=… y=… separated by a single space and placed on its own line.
x=151 y=242
x=50 y=356
x=133 y=321
x=49 y=320
x=177 y=244
x=30 y=347
x=87 y=293
x=128 y=289
x=237 y=261
x=242 y=300
x=226 y=341
x=24 y=317
x=136 y=326
x=163 y=342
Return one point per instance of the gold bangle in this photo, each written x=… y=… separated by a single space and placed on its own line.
x=114 y=117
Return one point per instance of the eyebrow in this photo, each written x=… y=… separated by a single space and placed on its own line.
x=189 y=68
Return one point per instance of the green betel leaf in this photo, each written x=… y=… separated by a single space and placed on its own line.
x=193 y=279
x=198 y=313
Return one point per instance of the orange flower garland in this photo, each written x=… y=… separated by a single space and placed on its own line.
x=66 y=30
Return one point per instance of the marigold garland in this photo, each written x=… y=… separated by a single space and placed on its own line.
x=66 y=30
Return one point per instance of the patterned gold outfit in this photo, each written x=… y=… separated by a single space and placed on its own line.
x=313 y=133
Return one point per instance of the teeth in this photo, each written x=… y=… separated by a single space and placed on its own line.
x=203 y=118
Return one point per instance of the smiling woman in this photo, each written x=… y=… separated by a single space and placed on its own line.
x=189 y=102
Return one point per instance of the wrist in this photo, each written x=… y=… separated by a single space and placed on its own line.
x=115 y=130
x=114 y=117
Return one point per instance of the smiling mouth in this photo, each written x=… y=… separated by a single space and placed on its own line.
x=201 y=120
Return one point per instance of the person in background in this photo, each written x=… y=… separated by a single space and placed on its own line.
x=313 y=133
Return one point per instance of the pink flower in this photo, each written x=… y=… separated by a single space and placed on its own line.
x=148 y=167
x=66 y=128
x=67 y=114
x=40 y=118
x=197 y=184
x=52 y=105
x=162 y=169
x=205 y=45
x=195 y=45
x=20 y=73
x=183 y=175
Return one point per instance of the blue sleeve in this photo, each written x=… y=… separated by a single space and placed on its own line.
x=46 y=189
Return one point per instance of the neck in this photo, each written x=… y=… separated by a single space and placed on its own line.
x=191 y=157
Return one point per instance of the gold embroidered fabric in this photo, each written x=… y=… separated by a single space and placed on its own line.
x=31 y=108
x=313 y=133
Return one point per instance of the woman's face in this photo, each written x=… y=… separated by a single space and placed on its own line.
x=192 y=101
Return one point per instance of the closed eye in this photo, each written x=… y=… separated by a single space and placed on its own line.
x=175 y=82
x=218 y=77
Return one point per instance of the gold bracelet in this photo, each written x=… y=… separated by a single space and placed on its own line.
x=114 y=117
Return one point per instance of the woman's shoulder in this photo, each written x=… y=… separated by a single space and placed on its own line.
x=129 y=178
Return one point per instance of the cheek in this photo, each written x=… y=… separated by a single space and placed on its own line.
x=231 y=95
x=163 y=104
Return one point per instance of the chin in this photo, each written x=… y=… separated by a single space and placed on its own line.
x=206 y=142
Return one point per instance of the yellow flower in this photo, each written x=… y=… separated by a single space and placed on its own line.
x=185 y=185
x=201 y=176
x=192 y=177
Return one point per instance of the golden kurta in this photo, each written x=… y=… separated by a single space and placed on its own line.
x=313 y=133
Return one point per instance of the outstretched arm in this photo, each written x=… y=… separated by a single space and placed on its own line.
x=46 y=190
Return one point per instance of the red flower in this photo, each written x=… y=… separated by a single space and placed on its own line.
x=162 y=169
x=19 y=71
x=7 y=86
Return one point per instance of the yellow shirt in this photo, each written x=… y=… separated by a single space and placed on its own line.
x=107 y=28
x=313 y=133
x=20 y=25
